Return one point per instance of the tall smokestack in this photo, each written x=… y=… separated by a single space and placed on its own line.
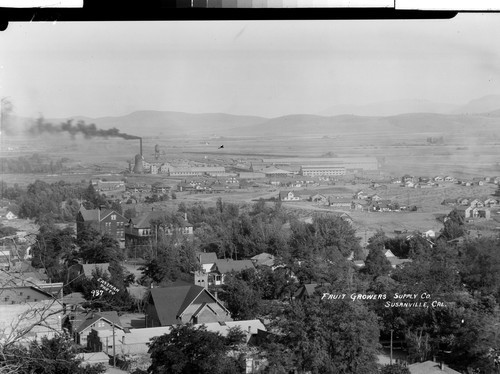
x=140 y=146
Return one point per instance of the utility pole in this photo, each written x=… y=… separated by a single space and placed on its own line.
x=114 y=348
x=391 y=347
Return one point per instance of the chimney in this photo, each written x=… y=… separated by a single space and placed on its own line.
x=441 y=365
x=140 y=146
x=185 y=217
x=215 y=295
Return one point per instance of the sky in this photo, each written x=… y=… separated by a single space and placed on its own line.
x=265 y=68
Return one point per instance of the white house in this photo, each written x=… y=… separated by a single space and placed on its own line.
x=288 y=196
x=10 y=216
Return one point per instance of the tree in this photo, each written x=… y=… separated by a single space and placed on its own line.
x=241 y=300
x=376 y=263
x=49 y=356
x=453 y=226
x=130 y=213
x=51 y=246
x=336 y=235
x=326 y=337
x=96 y=248
x=481 y=266
x=192 y=350
x=173 y=260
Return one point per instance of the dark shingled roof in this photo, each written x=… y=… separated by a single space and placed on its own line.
x=308 y=289
x=96 y=214
x=89 y=215
x=227 y=266
x=171 y=301
x=144 y=221
x=206 y=257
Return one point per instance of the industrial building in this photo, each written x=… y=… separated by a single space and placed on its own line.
x=364 y=163
x=108 y=186
x=317 y=170
x=196 y=171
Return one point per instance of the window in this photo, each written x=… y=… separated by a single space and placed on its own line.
x=113 y=217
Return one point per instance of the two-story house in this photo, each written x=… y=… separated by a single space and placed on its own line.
x=141 y=231
x=105 y=221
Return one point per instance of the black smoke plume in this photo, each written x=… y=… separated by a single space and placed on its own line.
x=88 y=131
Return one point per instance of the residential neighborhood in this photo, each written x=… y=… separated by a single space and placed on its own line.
x=250 y=196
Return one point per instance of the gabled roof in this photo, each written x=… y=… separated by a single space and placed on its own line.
x=89 y=215
x=171 y=301
x=388 y=253
x=283 y=194
x=430 y=367
x=206 y=257
x=111 y=317
x=144 y=221
x=15 y=289
x=308 y=289
x=96 y=214
x=227 y=266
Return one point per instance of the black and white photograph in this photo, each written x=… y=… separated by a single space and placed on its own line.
x=266 y=196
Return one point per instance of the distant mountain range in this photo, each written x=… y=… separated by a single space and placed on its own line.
x=392 y=108
x=418 y=116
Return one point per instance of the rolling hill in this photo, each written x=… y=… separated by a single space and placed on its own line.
x=298 y=125
x=177 y=124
